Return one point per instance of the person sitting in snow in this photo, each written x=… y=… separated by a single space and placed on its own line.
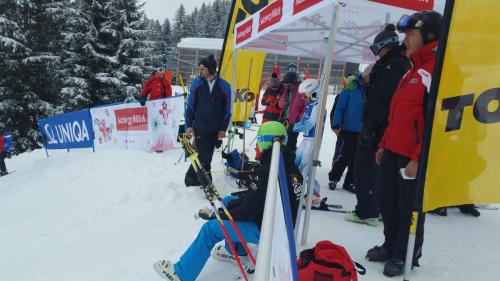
x=307 y=126
x=246 y=211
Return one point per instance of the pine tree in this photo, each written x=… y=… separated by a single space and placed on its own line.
x=179 y=31
x=167 y=32
x=17 y=102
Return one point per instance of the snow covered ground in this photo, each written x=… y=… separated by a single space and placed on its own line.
x=109 y=215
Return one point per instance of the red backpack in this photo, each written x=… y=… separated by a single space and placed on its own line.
x=328 y=262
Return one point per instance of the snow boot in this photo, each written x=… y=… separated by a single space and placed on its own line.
x=440 y=212
x=394 y=267
x=166 y=269
x=353 y=217
x=350 y=187
x=378 y=253
x=469 y=209
x=332 y=185
x=219 y=252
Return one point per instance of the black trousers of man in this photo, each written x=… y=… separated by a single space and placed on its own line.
x=344 y=157
x=205 y=145
x=3 y=168
x=365 y=174
x=396 y=199
x=292 y=138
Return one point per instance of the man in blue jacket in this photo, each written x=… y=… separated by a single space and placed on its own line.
x=346 y=124
x=208 y=114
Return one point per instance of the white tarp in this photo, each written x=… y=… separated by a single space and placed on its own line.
x=131 y=126
x=301 y=27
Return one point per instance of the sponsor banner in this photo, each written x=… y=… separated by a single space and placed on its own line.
x=271 y=14
x=415 y=5
x=244 y=31
x=464 y=160
x=70 y=130
x=301 y=5
x=241 y=9
x=131 y=126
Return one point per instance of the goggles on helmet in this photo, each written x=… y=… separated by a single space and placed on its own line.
x=270 y=138
x=376 y=48
x=408 y=22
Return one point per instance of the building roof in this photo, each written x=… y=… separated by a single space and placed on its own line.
x=201 y=43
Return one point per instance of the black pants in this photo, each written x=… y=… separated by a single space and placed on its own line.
x=205 y=145
x=396 y=199
x=344 y=157
x=292 y=138
x=365 y=174
x=3 y=168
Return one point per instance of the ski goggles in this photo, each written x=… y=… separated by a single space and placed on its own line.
x=376 y=48
x=408 y=22
x=270 y=138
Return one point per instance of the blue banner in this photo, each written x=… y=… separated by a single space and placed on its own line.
x=70 y=130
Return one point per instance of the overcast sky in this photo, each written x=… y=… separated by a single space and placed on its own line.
x=162 y=9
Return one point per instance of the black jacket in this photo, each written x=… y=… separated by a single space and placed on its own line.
x=251 y=206
x=384 y=79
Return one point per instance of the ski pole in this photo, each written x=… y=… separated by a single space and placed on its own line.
x=196 y=162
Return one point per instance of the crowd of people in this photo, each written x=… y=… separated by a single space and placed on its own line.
x=378 y=119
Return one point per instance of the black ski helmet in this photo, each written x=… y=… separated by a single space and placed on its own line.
x=387 y=38
x=428 y=22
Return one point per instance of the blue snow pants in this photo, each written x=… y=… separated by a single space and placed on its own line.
x=193 y=260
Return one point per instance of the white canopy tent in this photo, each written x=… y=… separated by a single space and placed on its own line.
x=327 y=29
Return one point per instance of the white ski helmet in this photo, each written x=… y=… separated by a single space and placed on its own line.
x=309 y=87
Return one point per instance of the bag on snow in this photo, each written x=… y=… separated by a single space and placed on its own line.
x=328 y=262
x=239 y=166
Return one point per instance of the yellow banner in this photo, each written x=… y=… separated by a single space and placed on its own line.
x=464 y=157
x=245 y=91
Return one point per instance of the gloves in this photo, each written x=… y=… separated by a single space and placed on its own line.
x=141 y=100
x=218 y=144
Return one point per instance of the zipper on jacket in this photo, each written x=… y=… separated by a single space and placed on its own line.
x=415 y=125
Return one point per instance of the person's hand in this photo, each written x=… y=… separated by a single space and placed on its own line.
x=411 y=169
x=336 y=131
x=222 y=134
x=378 y=155
x=190 y=132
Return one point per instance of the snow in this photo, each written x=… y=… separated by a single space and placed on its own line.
x=109 y=215
x=201 y=43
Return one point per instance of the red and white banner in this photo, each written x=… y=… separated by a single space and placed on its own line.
x=131 y=126
x=301 y=27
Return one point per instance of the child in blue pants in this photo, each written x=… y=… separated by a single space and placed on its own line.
x=246 y=211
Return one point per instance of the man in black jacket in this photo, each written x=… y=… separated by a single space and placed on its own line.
x=247 y=212
x=384 y=78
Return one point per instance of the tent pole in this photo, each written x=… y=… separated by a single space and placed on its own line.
x=233 y=93
x=320 y=121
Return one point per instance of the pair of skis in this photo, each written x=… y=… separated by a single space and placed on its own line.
x=212 y=196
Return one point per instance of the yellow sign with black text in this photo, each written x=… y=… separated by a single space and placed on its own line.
x=248 y=75
x=464 y=156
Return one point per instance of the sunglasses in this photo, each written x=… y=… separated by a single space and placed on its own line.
x=376 y=48
x=270 y=138
x=408 y=22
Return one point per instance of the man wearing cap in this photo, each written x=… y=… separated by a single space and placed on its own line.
x=383 y=80
x=208 y=114
x=399 y=149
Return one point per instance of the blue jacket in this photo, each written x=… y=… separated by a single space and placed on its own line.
x=349 y=108
x=307 y=123
x=208 y=112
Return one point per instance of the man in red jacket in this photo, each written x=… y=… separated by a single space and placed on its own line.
x=399 y=149
x=156 y=87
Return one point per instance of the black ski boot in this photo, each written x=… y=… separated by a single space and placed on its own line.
x=469 y=209
x=377 y=253
x=350 y=187
x=440 y=211
x=394 y=267
x=332 y=185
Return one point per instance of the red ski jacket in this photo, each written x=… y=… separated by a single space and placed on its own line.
x=404 y=133
x=157 y=88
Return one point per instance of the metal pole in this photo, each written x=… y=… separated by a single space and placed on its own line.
x=263 y=267
x=320 y=121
